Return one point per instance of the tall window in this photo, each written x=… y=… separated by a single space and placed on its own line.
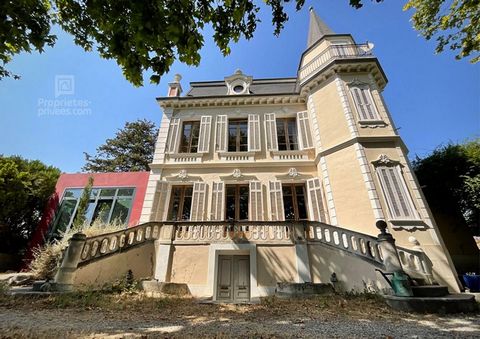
x=364 y=103
x=105 y=205
x=294 y=202
x=395 y=191
x=180 y=203
x=190 y=135
x=287 y=134
x=237 y=135
x=236 y=202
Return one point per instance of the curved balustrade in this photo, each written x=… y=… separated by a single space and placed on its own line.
x=109 y=243
x=330 y=53
x=416 y=264
x=356 y=243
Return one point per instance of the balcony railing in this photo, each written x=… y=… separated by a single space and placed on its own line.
x=330 y=53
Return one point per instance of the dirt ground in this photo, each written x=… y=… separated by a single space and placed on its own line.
x=136 y=315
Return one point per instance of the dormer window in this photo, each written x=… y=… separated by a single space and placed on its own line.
x=238 y=83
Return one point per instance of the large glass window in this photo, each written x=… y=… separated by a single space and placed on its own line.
x=180 y=203
x=237 y=135
x=294 y=201
x=287 y=134
x=106 y=205
x=236 y=202
x=190 y=133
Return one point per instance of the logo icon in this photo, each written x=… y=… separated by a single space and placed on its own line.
x=64 y=85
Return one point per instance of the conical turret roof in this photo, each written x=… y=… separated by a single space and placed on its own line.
x=317 y=28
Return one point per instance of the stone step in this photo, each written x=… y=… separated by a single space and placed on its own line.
x=429 y=291
x=292 y=290
x=452 y=303
x=165 y=287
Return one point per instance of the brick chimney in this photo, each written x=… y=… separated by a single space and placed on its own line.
x=174 y=87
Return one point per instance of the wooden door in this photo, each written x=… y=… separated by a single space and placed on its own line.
x=233 y=282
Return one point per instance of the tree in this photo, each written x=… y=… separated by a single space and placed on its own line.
x=450 y=178
x=151 y=34
x=25 y=187
x=79 y=220
x=131 y=149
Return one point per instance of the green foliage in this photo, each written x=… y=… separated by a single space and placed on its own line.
x=450 y=178
x=82 y=205
x=131 y=149
x=454 y=23
x=25 y=187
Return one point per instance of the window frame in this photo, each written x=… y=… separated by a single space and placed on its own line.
x=285 y=121
x=293 y=185
x=238 y=144
x=189 y=146
x=237 y=201
x=370 y=101
x=182 y=203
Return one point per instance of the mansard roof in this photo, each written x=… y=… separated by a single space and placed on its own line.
x=257 y=87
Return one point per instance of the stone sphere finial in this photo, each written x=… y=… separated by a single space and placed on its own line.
x=412 y=240
x=382 y=226
x=310 y=8
x=177 y=78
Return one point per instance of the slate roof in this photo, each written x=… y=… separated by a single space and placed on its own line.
x=258 y=87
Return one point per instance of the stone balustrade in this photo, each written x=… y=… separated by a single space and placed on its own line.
x=416 y=264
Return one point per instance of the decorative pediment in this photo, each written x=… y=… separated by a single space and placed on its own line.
x=237 y=175
x=293 y=174
x=238 y=83
x=358 y=83
x=183 y=176
x=384 y=160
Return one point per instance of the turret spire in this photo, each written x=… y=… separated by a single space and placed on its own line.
x=317 y=28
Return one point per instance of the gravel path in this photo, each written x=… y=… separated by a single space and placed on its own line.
x=73 y=323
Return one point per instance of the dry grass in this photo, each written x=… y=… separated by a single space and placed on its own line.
x=46 y=259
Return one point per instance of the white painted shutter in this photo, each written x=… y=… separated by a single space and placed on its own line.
x=253 y=132
x=276 y=201
x=159 y=202
x=221 y=136
x=198 y=201
x=172 y=138
x=256 y=201
x=363 y=102
x=395 y=192
x=204 y=135
x=315 y=201
x=271 y=132
x=217 y=201
x=304 y=132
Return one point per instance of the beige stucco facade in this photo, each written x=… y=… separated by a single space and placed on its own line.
x=350 y=160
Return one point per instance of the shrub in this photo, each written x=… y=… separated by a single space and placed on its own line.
x=47 y=259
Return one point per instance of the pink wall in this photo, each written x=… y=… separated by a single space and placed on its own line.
x=139 y=180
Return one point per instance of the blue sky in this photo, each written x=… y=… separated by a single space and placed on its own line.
x=433 y=98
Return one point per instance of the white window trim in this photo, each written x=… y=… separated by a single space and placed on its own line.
x=365 y=86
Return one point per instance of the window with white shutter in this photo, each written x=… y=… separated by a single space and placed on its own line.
x=217 y=201
x=253 y=132
x=395 y=191
x=276 y=201
x=315 y=201
x=271 y=132
x=204 y=136
x=304 y=131
x=221 y=133
x=364 y=103
x=198 y=201
x=159 y=201
x=256 y=201
x=172 y=138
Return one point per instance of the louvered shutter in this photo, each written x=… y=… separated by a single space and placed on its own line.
x=253 y=132
x=204 y=135
x=198 y=201
x=221 y=133
x=159 y=202
x=271 y=132
x=172 y=138
x=396 y=195
x=217 y=201
x=256 y=201
x=305 y=134
x=363 y=102
x=276 y=201
x=315 y=201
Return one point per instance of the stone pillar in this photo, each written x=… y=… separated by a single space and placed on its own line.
x=163 y=253
x=65 y=276
x=301 y=252
x=391 y=259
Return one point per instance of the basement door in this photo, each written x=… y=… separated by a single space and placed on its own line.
x=233 y=282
